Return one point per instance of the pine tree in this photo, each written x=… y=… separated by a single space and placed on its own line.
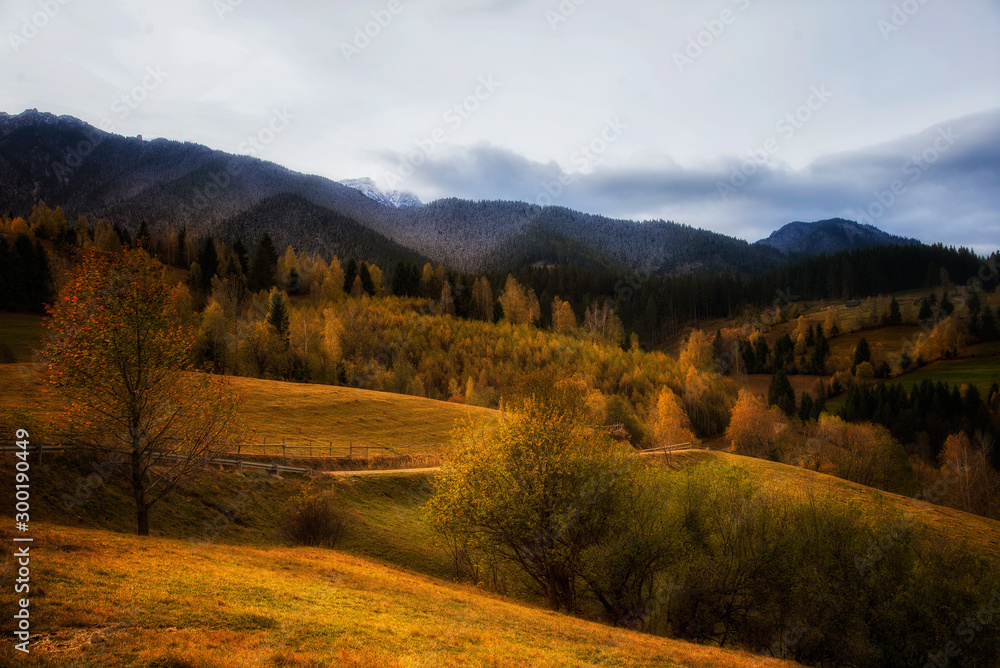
x=264 y=271
x=806 y=407
x=780 y=393
x=366 y=279
x=988 y=330
x=277 y=314
x=946 y=307
x=350 y=273
x=208 y=260
x=862 y=353
x=820 y=353
x=242 y=256
x=925 y=310
x=895 y=315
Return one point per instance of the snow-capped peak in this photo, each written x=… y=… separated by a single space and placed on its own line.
x=391 y=198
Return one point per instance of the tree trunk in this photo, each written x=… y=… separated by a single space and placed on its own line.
x=553 y=588
x=139 y=485
x=142 y=519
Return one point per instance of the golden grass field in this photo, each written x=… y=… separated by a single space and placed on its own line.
x=107 y=599
x=980 y=533
x=299 y=413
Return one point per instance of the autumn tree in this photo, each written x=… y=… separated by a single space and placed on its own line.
x=520 y=306
x=482 y=299
x=447 y=302
x=974 y=484
x=563 y=318
x=670 y=423
x=534 y=494
x=697 y=351
x=333 y=282
x=603 y=324
x=753 y=428
x=122 y=364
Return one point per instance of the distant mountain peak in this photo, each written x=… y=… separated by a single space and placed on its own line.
x=395 y=198
x=829 y=236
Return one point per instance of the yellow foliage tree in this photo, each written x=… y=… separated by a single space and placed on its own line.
x=563 y=318
x=697 y=351
x=670 y=423
x=753 y=428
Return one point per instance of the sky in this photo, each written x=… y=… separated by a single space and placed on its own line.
x=732 y=115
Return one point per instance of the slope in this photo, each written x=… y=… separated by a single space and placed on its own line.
x=116 y=600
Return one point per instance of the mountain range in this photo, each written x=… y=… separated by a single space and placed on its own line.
x=128 y=180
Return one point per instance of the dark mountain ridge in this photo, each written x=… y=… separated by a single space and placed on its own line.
x=67 y=162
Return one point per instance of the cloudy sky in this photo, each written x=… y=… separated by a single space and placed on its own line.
x=733 y=115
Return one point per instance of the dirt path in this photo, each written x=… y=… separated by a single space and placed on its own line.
x=378 y=471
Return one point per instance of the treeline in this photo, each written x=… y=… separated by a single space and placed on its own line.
x=926 y=415
x=25 y=276
x=651 y=307
x=656 y=307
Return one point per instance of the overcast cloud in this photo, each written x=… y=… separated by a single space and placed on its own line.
x=734 y=115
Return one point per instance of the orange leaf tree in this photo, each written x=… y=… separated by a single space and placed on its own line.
x=123 y=363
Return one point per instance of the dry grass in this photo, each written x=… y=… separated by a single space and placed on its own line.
x=22 y=332
x=116 y=600
x=980 y=533
x=301 y=413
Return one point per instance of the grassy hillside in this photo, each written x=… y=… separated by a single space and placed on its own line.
x=22 y=333
x=298 y=413
x=979 y=371
x=981 y=533
x=343 y=415
x=117 y=600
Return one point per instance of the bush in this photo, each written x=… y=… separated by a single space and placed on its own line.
x=315 y=519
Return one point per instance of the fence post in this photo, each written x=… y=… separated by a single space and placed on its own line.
x=329 y=453
x=284 y=458
x=39 y=453
x=350 y=450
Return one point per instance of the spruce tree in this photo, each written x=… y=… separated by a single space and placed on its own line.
x=781 y=393
x=208 y=260
x=277 y=315
x=862 y=353
x=350 y=273
x=895 y=315
x=366 y=279
x=264 y=270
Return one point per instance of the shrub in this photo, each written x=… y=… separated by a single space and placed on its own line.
x=315 y=519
